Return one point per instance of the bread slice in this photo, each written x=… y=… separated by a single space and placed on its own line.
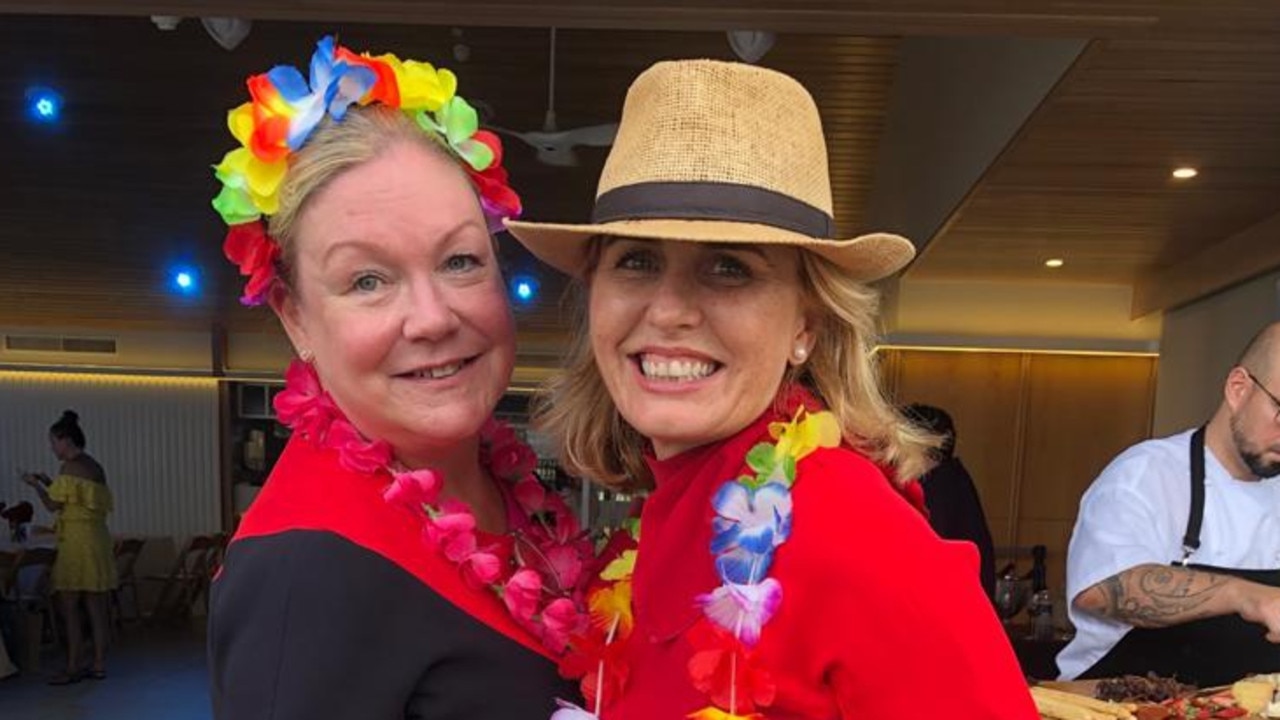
x=1254 y=694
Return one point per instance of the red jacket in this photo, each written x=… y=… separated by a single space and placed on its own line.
x=879 y=617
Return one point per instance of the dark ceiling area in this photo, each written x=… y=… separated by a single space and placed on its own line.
x=1079 y=109
x=101 y=206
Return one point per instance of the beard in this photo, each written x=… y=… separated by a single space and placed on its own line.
x=1251 y=454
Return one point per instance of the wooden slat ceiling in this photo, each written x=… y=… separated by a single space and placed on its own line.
x=1088 y=179
x=98 y=208
x=1063 y=18
x=95 y=210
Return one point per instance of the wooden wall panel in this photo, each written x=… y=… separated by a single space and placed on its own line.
x=1081 y=412
x=1034 y=430
x=887 y=362
x=980 y=391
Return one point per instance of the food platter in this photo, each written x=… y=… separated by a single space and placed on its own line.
x=1155 y=698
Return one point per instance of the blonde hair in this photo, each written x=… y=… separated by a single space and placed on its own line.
x=593 y=440
x=363 y=134
x=842 y=371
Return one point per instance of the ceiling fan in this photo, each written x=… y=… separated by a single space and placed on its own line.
x=556 y=146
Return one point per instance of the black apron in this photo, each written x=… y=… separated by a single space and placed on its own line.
x=1208 y=652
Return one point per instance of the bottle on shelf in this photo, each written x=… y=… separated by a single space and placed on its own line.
x=1041 y=606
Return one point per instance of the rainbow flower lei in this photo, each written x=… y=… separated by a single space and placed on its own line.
x=544 y=591
x=285 y=108
x=752 y=520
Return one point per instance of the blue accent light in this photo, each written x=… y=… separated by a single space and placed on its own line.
x=524 y=289
x=44 y=105
x=185 y=281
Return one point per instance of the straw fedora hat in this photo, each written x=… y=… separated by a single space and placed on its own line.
x=711 y=151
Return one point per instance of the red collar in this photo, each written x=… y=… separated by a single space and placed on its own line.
x=310 y=490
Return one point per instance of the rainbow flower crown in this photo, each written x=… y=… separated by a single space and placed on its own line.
x=286 y=108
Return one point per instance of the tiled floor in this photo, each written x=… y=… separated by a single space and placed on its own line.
x=152 y=673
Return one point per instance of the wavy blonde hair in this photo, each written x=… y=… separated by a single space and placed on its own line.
x=576 y=412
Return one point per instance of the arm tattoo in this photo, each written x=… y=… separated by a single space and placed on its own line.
x=1157 y=595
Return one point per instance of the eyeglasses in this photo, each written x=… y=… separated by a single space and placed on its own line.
x=1274 y=400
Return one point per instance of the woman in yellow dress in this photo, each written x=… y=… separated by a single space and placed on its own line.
x=85 y=569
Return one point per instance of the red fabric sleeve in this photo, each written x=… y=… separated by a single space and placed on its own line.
x=901 y=620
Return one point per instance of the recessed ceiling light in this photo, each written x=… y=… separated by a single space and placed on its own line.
x=1054 y=262
x=184 y=280
x=1185 y=173
x=44 y=105
x=524 y=288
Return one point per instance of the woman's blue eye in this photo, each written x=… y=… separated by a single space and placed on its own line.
x=366 y=283
x=461 y=263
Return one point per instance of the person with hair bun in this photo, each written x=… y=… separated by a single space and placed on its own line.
x=85 y=570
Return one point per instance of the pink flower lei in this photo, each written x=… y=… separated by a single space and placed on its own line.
x=543 y=589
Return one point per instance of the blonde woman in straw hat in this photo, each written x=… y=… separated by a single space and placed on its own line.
x=784 y=567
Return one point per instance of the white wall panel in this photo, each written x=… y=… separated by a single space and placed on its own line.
x=1200 y=344
x=156 y=438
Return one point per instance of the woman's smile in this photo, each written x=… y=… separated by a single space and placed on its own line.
x=675 y=330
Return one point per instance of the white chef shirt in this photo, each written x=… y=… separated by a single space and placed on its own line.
x=1135 y=513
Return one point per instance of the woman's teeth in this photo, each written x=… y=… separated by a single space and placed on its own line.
x=676 y=369
x=436 y=373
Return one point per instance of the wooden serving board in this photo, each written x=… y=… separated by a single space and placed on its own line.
x=1079 y=687
x=1087 y=688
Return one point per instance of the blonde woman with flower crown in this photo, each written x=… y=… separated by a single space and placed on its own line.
x=402 y=560
x=784 y=566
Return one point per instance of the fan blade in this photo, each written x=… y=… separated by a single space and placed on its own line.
x=543 y=140
x=536 y=138
x=532 y=139
x=592 y=135
x=502 y=130
x=558 y=156
x=554 y=148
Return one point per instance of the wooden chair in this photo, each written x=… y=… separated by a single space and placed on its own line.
x=126 y=553
x=188 y=580
x=29 y=588
x=8 y=561
x=217 y=554
x=8 y=568
x=209 y=565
